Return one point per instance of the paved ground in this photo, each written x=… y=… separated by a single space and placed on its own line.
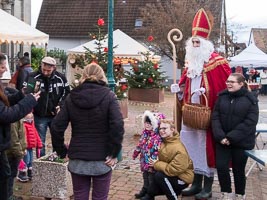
x=127 y=180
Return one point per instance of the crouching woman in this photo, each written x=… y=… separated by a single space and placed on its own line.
x=174 y=168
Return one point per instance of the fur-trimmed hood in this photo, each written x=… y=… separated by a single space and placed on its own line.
x=154 y=118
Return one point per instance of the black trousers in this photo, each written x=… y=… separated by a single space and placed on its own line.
x=225 y=154
x=169 y=186
x=4 y=176
x=148 y=179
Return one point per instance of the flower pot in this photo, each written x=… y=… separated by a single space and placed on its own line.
x=154 y=95
x=124 y=107
x=51 y=179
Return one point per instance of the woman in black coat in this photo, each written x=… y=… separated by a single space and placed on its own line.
x=12 y=109
x=234 y=121
x=97 y=132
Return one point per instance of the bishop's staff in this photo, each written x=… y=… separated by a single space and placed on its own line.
x=173 y=37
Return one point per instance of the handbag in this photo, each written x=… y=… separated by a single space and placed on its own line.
x=196 y=115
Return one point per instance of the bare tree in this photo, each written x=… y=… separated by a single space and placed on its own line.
x=160 y=17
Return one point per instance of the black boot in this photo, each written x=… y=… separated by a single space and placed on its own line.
x=207 y=190
x=141 y=193
x=148 y=197
x=196 y=186
x=29 y=173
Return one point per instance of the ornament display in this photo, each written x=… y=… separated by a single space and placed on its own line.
x=145 y=74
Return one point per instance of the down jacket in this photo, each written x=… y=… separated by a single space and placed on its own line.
x=235 y=117
x=173 y=159
x=96 y=123
x=32 y=136
x=12 y=114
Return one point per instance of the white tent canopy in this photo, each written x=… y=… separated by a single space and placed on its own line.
x=251 y=56
x=14 y=30
x=126 y=46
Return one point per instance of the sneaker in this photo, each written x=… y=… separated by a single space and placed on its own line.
x=22 y=177
x=240 y=197
x=29 y=173
x=226 y=196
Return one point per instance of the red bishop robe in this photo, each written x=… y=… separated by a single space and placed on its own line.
x=214 y=75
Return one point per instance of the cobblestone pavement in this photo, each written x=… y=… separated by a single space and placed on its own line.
x=127 y=179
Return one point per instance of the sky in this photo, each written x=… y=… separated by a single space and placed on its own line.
x=242 y=15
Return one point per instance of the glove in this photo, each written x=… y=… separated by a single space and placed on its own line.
x=175 y=88
x=199 y=91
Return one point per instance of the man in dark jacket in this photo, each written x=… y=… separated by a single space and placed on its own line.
x=54 y=89
x=22 y=72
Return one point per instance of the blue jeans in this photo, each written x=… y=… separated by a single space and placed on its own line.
x=41 y=124
x=100 y=186
x=28 y=158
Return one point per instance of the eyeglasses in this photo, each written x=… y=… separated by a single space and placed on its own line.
x=231 y=82
x=196 y=41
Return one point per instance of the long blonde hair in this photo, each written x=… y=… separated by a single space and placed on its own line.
x=93 y=72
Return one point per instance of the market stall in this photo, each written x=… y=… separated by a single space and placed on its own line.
x=251 y=56
x=126 y=50
x=13 y=30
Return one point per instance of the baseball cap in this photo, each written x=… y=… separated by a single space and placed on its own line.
x=49 y=60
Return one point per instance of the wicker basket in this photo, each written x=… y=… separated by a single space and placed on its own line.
x=196 y=115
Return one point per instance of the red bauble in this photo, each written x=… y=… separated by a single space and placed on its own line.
x=106 y=49
x=100 y=22
x=150 y=38
x=123 y=87
x=150 y=80
x=136 y=69
x=156 y=66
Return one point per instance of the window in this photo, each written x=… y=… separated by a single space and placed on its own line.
x=138 y=23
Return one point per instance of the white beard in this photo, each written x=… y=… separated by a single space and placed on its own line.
x=197 y=56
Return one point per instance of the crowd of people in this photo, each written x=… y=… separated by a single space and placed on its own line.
x=256 y=77
x=175 y=158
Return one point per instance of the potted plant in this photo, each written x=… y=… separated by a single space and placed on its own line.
x=51 y=178
x=146 y=81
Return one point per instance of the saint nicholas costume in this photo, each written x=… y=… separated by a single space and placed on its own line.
x=199 y=143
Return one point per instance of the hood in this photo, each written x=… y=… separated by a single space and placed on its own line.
x=89 y=94
x=172 y=139
x=152 y=117
x=242 y=92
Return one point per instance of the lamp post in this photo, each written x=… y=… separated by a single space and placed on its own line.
x=110 y=76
